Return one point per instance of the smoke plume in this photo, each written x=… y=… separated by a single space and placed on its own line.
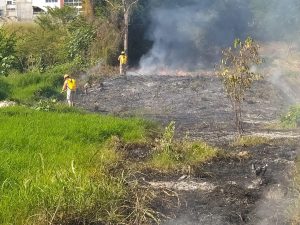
x=189 y=35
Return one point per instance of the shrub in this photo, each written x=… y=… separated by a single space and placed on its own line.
x=34 y=85
x=292 y=118
x=236 y=74
x=7 y=52
x=47 y=92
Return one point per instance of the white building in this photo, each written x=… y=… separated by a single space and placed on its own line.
x=26 y=9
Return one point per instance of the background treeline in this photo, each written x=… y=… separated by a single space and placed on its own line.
x=34 y=56
x=62 y=35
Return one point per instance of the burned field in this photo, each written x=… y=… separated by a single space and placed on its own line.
x=250 y=185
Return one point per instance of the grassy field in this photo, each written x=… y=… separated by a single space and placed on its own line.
x=54 y=166
x=59 y=167
x=58 y=164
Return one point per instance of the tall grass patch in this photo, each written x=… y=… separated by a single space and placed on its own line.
x=5 y=89
x=171 y=154
x=295 y=208
x=251 y=140
x=54 y=167
x=34 y=85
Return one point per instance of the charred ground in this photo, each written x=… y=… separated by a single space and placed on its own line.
x=224 y=190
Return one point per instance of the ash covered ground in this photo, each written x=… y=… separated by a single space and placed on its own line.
x=221 y=191
x=197 y=104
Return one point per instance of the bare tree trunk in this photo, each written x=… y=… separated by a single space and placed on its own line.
x=240 y=117
x=127 y=5
x=236 y=105
x=126 y=25
x=88 y=9
x=236 y=116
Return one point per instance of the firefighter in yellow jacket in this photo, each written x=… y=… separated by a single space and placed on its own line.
x=70 y=87
x=123 y=63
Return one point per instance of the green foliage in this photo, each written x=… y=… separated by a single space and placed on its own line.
x=7 y=52
x=46 y=105
x=79 y=45
x=237 y=74
x=34 y=86
x=55 y=166
x=57 y=18
x=62 y=35
x=173 y=154
x=78 y=33
x=5 y=89
x=38 y=48
x=167 y=139
x=58 y=37
x=292 y=118
x=47 y=92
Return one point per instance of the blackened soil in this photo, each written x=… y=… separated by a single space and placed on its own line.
x=137 y=151
x=199 y=106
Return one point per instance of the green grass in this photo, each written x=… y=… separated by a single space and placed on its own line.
x=182 y=154
x=292 y=118
x=171 y=154
x=34 y=85
x=251 y=140
x=54 y=166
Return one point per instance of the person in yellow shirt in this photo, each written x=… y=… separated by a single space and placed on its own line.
x=70 y=87
x=123 y=63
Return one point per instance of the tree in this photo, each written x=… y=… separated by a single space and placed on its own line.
x=236 y=71
x=57 y=18
x=126 y=7
x=73 y=35
x=7 y=52
x=88 y=6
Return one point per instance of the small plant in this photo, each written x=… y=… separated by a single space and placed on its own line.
x=165 y=143
x=7 y=52
x=175 y=154
x=236 y=72
x=292 y=118
x=46 y=105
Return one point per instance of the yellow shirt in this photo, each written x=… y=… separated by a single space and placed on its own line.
x=69 y=83
x=123 y=59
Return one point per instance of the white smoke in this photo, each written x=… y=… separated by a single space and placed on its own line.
x=189 y=35
x=177 y=34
